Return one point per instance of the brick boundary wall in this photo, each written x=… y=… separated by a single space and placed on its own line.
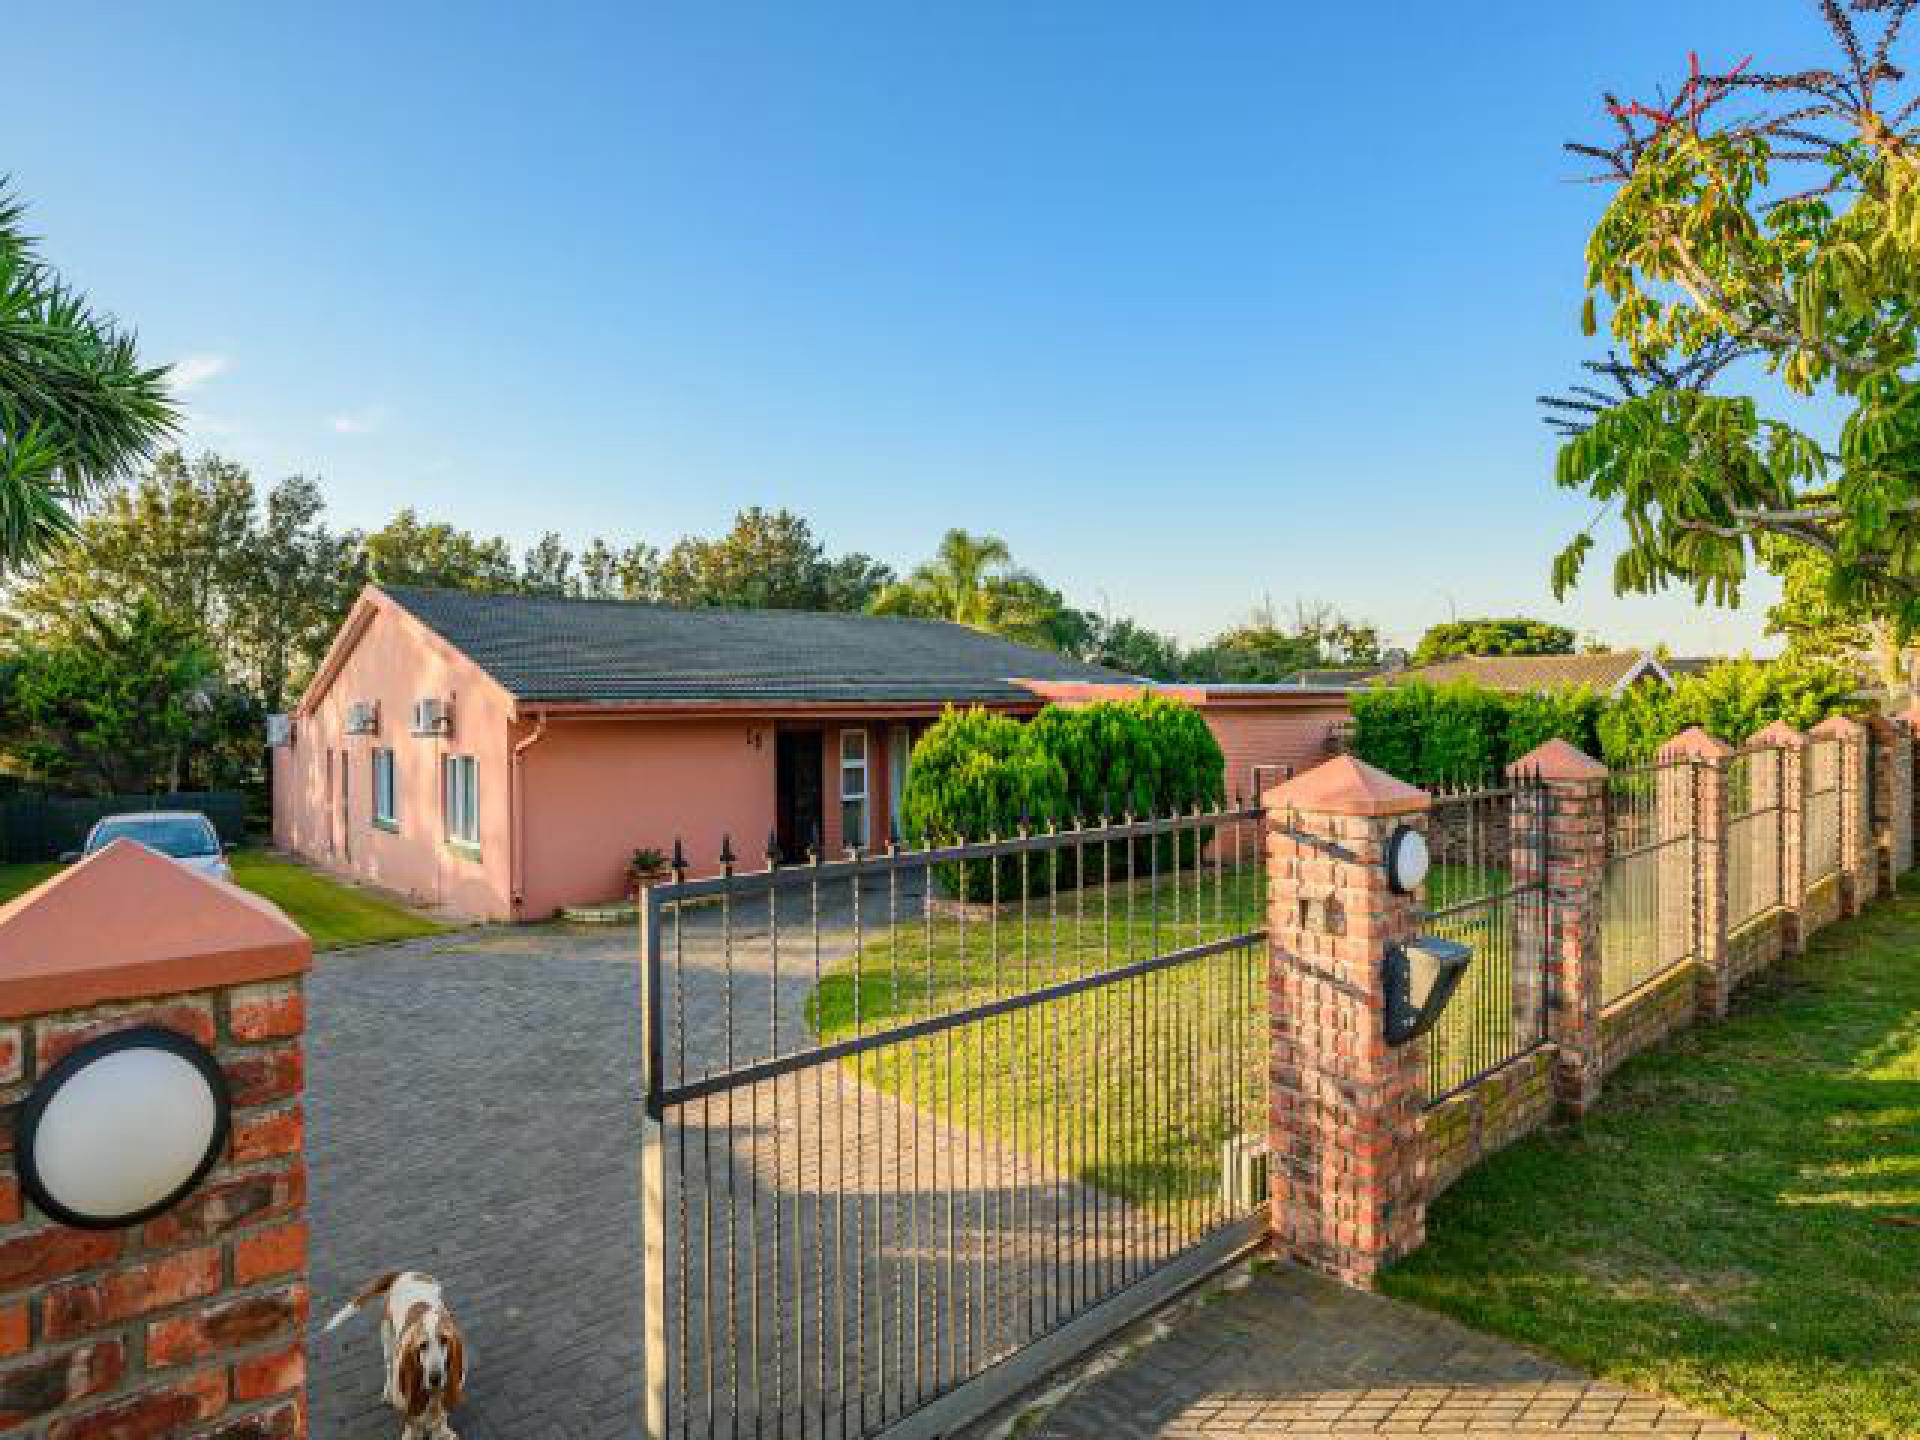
x=1755 y=946
x=1826 y=903
x=1657 y=1010
x=1465 y=1129
x=1858 y=870
x=1791 y=780
x=194 y=1323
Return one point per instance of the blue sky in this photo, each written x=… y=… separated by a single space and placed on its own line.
x=1192 y=304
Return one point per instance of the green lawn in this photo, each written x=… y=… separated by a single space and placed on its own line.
x=1739 y=1224
x=1132 y=1086
x=335 y=915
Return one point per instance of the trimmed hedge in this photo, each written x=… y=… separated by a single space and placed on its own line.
x=977 y=775
x=1465 y=734
x=1462 y=733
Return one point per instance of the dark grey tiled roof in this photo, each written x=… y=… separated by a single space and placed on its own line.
x=610 y=651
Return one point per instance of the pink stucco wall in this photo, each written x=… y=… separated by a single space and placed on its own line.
x=396 y=661
x=595 y=790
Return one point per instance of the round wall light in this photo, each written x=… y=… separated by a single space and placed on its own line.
x=1408 y=859
x=123 y=1128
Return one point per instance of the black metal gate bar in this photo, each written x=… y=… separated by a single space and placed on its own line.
x=921 y=1123
x=1487 y=888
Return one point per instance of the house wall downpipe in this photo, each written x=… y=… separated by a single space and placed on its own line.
x=517 y=799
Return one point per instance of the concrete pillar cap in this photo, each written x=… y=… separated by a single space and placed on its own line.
x=1911 y=715
x=1347 y=786
x=1558 y=759
x=1694 y=743
x=129 y=924
x=1838 y=727
x=1778 y=733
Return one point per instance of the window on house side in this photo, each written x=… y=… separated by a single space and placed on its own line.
x=853 y=788
x=462 y=800
x=385 y=808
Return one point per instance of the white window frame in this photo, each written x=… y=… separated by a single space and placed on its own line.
x=386 y=789
x=852 y=765
x=460 y=801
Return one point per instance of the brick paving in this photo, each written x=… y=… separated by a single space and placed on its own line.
x=1290 y=1355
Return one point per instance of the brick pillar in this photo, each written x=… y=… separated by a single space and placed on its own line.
x=1704 y=761
x=1892 y=770
x=1576 y=861
x=192 y=1323
x=1348 y=1162
x=1790 y=778
x=1909 y=722
x=1856 y=835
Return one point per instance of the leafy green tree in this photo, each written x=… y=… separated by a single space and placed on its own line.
x=547 y=568
x=1513 y=636
x=1131 y=648
x=115 y=705
x=1778 y=213
x=629 y=574
x=78 y=411
x=1816 y=628
x=262 y=584
x=410 y=551
x=284 y=603
x=1254 y=654
x=768 y=559
x=853 y=581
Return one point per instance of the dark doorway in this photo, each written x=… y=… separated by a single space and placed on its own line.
x=797 y=791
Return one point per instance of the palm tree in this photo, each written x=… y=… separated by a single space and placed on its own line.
x=78 y=412
x=972 y=580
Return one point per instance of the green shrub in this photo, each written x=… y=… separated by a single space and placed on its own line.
x=1731 y=701
x=1462 y=733
x=976 y=776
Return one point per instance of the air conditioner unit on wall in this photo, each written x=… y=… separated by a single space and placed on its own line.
x=363 y=717
x=279 y=731
x=432 y=717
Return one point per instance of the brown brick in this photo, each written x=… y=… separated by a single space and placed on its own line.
x=58 y=1036
x=15 y=1327
x=276 y=1373
x=267 y=1012
x=282 y=1422
x=266 y=1134
x=152 y=1414
x=13 y=1055
x=72 y=1310
x=259 y=1077
x=10 y=1208
x=228 y=1204
x=47 y=1379
x=54 y=1252
x=228 y=1325
x=267 y=1253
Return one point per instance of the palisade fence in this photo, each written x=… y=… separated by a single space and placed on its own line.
x=1649 y=891
x=923 y=1123
x=1755 y=837
x=1487 y=889
x=1822 y=772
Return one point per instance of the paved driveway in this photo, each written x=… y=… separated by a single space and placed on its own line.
x=473 y=1108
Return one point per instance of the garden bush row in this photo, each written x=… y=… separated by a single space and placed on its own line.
x=1463 y=734
x=978 y=775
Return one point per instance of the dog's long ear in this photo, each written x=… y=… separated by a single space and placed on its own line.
x=456 y=1362
x=411 y=1381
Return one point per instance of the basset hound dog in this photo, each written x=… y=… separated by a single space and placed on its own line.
x=425 y=1351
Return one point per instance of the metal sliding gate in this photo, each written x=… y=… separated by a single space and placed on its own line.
x=921 y=1125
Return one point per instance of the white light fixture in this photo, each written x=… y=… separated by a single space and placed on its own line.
x=1421 y=976
x=1408 y=859
x=122 y=1129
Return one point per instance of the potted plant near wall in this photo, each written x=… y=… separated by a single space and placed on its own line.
x=648 y=866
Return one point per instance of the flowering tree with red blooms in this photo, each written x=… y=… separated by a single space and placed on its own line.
x=1769 y=217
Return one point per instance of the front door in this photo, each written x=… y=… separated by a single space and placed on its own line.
x=797 y=789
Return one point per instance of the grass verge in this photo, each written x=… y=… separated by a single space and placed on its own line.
x=1739 y=1223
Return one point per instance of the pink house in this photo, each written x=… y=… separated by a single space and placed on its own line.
x=502 y=756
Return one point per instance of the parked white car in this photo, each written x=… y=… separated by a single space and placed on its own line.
x=182 y=835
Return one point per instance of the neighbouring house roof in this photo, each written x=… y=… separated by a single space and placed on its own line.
x=1334 y=677
x=614 y=651
x=1608 y=672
